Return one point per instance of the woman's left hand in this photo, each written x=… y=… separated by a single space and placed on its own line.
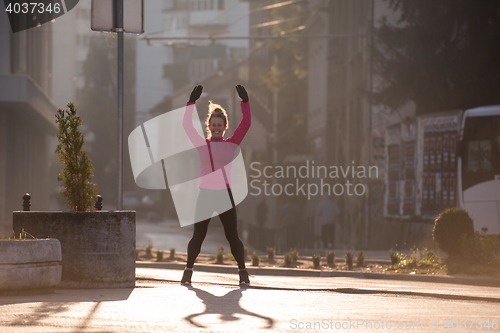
x=242 y=93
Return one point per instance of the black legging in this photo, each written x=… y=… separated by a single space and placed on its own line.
x=229 y=221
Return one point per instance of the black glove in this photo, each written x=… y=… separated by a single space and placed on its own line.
x=242 y=93
x=196 y=93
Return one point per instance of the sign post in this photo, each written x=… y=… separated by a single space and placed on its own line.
x=118 y=16
x=119 y=93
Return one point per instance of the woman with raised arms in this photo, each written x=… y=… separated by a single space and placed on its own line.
x=216 y=154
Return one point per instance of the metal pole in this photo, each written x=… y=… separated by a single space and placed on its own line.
x=275 y=152
x=275 y=117
x=119 y=30
x=370 y=110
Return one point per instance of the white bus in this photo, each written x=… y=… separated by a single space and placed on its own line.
x=479 y=167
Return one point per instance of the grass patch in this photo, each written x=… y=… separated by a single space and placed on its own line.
x=172 y=253
x=255 y=259
x=219 y=257
x=330 y=258
x=417 y=262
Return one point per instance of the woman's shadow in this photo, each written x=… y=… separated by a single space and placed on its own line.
x=227 y=306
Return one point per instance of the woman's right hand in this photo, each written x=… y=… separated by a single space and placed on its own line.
x=242 y=93
x=196 y=93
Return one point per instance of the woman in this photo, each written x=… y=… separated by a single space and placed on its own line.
x=216 y=154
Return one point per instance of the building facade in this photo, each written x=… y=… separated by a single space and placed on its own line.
x=339 y=108
x=27 y=127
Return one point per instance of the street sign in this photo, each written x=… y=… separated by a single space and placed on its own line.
x=103 y=16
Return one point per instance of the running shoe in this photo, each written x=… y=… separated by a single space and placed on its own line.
x=186 y=277
x=244 y=280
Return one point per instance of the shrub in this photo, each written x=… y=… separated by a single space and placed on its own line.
x=220 y=255
x=137 y=251
x=149 y=250
x=172 y=253
x=294 y=254
x=330 y=258
x=79 y=192
x=394 y=258
x=316 y=259
x=159 y=255
x=481 y=256
x=348 y=259
x=246 y=253
x=450 y=228
x=288 y=259
x=229 y=256
x=360 y=259
x=255 y=259
x=417 y=261
x=271 y=251
x=479 y=249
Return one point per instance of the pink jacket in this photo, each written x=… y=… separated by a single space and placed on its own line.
x=222 y=150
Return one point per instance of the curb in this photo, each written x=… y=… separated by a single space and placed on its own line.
x=223 y=269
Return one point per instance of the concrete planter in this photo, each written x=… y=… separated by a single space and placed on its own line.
x=98 y=248
x=29 y=264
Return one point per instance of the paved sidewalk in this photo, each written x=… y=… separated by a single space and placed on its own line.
x=215 y=303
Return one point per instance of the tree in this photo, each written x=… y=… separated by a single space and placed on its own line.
x=77 y=172
x=289 y=77
x=442 y=55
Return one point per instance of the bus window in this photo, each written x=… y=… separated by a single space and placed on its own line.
x=485 y=147
x=498 y=143
x=497 y=135
x=479 y=156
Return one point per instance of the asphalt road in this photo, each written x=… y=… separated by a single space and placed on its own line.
x=273 y=304
x=169 y=234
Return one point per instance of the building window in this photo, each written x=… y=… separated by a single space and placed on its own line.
x=197 y=5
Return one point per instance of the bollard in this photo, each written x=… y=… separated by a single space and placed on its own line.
x=98 y=204
x=26 y=202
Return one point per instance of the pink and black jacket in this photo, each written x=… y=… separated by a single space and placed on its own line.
x=216 y=155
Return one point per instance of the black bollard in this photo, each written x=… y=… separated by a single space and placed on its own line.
x=98 y=204
x=26 y=202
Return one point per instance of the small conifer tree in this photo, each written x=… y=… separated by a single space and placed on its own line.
x=79 y=192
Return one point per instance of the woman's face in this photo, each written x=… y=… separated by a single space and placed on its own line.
x=217 y=127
